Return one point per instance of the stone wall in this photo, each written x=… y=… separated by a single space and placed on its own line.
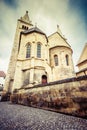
x=81 y=72
x=82 y=65
x=14 y=55
x=62 y=70
x=66 y=96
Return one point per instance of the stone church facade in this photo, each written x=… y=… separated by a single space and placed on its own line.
x=36 y=58
x=82 y=63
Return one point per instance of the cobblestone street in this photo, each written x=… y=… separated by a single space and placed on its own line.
x=18 y=117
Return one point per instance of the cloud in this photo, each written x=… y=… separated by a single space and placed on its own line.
x=10 y=3
x=47 y=14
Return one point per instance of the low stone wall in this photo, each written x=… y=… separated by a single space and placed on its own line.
x=81 y=72
x=66 y=96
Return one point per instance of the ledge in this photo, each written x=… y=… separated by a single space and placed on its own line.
x=74 y=79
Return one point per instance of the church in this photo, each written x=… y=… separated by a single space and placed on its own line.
x=37 y=58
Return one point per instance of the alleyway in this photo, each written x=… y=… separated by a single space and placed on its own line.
x=18 y=117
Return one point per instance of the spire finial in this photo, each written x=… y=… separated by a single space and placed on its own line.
x=35 y=24
x=26 y=12
x=26 y=18
x=57 y=26
x=58 y=30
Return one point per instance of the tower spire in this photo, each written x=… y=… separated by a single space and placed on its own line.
x=26 y=18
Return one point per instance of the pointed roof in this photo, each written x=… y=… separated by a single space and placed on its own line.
x=35 y=29
x=83 y=56
x=58 y=39
x=59 y=31
x=26 y=18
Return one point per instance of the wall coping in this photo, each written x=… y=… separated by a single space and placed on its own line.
x=83 y=70
x=74 y=79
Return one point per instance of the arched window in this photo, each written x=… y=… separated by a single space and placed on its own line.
x=67 y=60
x=39 y=50
x=44 y=79
x=28 y=50
x=56 y=60
x=22 y=26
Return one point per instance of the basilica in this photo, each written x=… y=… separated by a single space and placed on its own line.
x=37 y=58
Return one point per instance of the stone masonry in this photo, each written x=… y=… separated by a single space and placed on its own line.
x=65 y=96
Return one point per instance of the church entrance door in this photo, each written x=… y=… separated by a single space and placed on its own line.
x=44 y=79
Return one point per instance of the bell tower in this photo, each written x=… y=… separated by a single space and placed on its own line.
x=23 y=24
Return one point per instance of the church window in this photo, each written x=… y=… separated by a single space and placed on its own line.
x=28 y=50
x=22 y=26
x=39 y=50
x=44 y=79
x=67 y=60
x=56 y=60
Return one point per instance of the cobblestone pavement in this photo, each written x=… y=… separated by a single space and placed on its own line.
x=18 y=117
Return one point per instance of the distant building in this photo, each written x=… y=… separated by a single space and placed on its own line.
x=2 y=78
x=82 y=63
x=36 y=58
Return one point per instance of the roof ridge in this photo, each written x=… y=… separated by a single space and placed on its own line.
x=34 y=29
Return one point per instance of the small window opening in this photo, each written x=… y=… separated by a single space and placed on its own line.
x=56 y=60
x=67 y=60
x=28 y=51
x=44 y=79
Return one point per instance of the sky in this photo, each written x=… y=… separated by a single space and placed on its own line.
x=70 y=15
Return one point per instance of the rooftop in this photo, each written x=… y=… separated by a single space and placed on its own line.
x=2 y=74
x=34 y=29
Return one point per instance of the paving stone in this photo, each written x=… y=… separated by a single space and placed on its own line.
x=18 y=117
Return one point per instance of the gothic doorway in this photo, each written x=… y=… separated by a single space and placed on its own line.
x=44 y=79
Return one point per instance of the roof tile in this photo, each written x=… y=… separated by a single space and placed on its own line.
x=2 y=74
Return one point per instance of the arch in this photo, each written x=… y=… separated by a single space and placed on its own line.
x=39 y=50
x=44 y=79
x=67 y=60
x=28 y=50
x=56 y=60
x=27 y=28
x=22 y=26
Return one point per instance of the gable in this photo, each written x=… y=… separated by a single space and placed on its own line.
x=83 y=56
x=57 y=40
